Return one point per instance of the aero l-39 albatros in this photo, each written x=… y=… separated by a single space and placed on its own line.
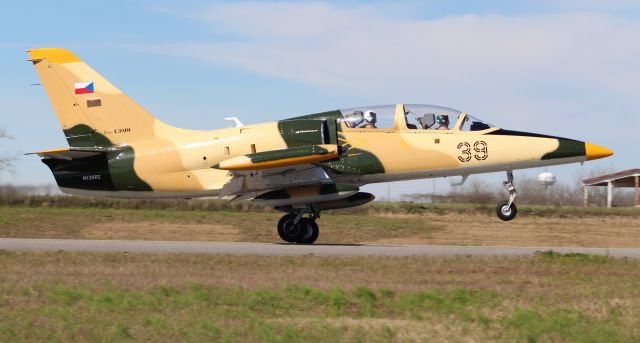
x=301 y=166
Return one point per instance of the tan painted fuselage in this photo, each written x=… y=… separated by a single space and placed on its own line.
x=129 y=153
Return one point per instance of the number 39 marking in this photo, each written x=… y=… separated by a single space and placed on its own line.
x=480 y=148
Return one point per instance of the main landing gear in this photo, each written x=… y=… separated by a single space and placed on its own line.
x=294 y=228
x=507 y=210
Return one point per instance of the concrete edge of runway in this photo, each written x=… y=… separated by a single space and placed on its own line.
x=274 y=249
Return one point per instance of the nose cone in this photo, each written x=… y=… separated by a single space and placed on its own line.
x=594 y=152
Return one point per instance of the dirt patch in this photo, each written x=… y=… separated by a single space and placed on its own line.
x=460 y=229
x=148 y=230
x=401 y=330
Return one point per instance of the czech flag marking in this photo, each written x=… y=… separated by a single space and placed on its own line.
x=83 y=87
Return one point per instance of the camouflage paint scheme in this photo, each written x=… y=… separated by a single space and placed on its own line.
x=118 y=149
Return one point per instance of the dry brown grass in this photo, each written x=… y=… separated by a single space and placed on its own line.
x=404 y=330
x=150 y=230
x=533 y=277
x=445 y=227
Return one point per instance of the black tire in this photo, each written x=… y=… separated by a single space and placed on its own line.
x=285 y=229
x=504 y=213
x=312 y=231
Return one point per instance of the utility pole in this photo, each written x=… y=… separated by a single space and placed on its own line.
x=389 y=191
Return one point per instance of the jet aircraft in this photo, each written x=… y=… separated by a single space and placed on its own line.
x=302 y=165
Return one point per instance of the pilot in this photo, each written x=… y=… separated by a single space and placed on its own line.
x=370 y=119
x=443 y=122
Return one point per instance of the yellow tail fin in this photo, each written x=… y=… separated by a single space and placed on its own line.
x=91 y=110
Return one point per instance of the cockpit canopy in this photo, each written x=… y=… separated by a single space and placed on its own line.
x=370 y=117
x=416 y=117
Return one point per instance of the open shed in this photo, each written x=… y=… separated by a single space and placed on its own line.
x=625 y=178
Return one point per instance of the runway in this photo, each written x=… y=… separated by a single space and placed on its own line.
x=272 y=249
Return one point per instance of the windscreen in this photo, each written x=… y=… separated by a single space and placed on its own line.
x=472 y=123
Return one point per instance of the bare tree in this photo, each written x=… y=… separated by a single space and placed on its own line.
x=530 y=192
x=5 y=160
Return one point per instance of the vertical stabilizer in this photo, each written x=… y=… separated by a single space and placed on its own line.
x=91 y=110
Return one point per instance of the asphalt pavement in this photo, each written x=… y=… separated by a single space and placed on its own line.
x=274 y=249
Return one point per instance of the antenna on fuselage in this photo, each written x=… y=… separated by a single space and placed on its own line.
x=235 y=120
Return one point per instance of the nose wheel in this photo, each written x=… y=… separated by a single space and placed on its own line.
x=294 y=228
x=507 y=210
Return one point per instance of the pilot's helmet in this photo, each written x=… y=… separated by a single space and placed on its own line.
x=442 y=119
x=370 y=116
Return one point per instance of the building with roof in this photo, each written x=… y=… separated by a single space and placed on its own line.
x=625 y=178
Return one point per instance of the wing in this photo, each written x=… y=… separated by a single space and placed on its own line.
x=246 y=184
x=263 y=171
x=280 y=158
x=258 y=173
x=289 y=179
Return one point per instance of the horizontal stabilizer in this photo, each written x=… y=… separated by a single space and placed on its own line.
x=69 y=153
x=280 y=158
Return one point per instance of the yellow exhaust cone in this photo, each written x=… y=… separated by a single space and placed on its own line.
x=595 y=152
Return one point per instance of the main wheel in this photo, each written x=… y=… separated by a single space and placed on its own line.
x=286 y=220
x=312 y=231
x=506 y=213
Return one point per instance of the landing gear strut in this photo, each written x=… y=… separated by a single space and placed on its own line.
x=294 y=228
x=507 y=210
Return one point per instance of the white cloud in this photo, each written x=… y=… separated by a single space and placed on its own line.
x=609 y=5
x=535 y=69
x=359 y=49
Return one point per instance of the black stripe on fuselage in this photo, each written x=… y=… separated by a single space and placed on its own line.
x=503 y=132
x=566 y=147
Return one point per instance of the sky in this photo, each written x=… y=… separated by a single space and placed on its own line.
x=565 y=67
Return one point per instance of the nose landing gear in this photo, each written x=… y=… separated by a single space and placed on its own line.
x=294 y=228
x=507 y=210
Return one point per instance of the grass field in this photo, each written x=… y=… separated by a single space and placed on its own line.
x=445 y=224
x=146 y=297
x=60 y=297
